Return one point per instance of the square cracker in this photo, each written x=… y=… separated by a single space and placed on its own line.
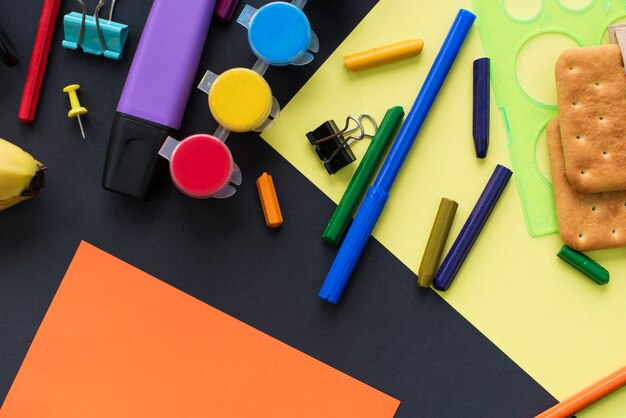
x=591 y=97
x=586 y=221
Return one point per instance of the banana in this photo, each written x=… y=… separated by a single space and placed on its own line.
x=21 y=176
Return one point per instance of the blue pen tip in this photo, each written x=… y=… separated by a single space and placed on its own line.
x=328 y=298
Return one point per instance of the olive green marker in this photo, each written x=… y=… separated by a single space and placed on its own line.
x=363 y=175
x=584 y=264
x=436 y=242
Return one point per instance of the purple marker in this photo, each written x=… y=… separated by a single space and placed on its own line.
x=156 y=92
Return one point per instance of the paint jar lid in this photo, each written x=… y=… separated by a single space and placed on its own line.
x=201 y=165
x=240 y=100
x=279 y=33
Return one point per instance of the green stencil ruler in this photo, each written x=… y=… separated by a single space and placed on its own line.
x=524 y=38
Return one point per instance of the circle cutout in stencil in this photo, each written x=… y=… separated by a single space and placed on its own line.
x=522 y=10
x=534 y=65
x=605 y=34
x=542 y=157
x=576 y=5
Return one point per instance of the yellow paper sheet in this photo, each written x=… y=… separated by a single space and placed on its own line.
x=559 y=326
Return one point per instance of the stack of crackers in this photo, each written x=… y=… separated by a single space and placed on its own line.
x=587 y=148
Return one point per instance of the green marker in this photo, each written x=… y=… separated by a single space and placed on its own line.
x=584 y=264
x=436 y=242
x=363 y=175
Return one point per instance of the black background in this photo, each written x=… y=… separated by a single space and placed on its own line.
x=406 y=342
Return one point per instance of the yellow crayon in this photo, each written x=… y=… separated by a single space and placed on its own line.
x=383 y=54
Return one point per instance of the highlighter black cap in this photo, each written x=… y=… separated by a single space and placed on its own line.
x=132 y=159
x=155 y=93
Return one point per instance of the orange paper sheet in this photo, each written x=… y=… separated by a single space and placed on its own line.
x=117 y=342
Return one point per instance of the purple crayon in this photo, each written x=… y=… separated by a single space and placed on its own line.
x=480 y=126
x=155 y=94
x=224 y=9
x=474 y=224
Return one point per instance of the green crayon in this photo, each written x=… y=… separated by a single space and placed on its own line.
x=584 y=264
x=436 y=242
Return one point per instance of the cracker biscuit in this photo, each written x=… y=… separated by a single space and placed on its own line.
x=586 y=221
x=591 y=97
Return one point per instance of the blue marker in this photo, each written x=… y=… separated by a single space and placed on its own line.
x=377 y=196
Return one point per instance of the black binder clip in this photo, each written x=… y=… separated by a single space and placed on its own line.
x=332 y=145
x=7 y=54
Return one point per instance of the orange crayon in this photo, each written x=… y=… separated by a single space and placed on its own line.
x=269 y=201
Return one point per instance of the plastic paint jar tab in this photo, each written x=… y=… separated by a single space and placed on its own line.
x=279 y=33
x=201 y=166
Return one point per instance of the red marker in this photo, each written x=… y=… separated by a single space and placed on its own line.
x=38 y=60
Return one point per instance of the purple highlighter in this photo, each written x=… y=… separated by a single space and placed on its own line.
x=156 y=92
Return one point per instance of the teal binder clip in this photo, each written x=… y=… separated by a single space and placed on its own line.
x=94 y=35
